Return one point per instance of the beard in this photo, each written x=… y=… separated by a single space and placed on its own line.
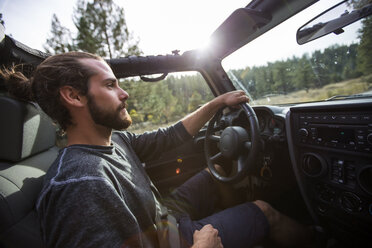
x=110 y=119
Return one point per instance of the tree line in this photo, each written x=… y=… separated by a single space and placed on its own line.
x=334 y=64
x=167 y=100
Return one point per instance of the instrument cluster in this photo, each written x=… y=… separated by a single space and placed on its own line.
x=271 y=124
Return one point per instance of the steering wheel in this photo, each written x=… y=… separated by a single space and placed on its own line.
x=235 y=143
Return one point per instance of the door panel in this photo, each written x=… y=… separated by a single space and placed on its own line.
x=174 y=167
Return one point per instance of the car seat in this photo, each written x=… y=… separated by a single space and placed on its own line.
x=27 y=149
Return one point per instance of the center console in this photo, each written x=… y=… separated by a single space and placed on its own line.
x=331 y=152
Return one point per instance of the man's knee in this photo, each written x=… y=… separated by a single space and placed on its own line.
x=271 y=214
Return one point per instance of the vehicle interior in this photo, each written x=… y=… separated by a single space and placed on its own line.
x=311 y=160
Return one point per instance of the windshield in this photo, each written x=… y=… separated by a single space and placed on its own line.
x=274 y=69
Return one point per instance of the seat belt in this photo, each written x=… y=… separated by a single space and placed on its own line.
x=167 y=229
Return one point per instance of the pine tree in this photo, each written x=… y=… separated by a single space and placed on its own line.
x=101 y=29
x=60 y=39
x=364 y=59
x=86 y=39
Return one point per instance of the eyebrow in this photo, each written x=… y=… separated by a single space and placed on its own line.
x=113 y=80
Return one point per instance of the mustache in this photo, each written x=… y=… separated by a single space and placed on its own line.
x=122 y=106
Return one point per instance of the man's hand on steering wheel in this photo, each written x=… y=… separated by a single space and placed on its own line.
x=233 y=98
x=197 y=119
x=234 y=143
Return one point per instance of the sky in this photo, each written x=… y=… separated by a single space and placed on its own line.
x=163 y=26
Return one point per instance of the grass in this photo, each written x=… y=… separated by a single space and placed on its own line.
x=349 y=87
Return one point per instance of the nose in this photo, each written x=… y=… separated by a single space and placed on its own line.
x=123 y=95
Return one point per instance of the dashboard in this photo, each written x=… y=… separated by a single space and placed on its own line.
x=330 y=149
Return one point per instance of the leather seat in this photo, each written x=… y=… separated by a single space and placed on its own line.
x=27 y=149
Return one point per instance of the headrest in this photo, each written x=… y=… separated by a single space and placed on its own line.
x=24 y=130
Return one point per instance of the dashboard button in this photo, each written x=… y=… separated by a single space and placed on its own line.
x=360 y=131
x=367 y=149
x=354 y=118
x=366 y=118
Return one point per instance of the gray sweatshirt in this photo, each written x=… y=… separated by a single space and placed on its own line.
x=101 y=196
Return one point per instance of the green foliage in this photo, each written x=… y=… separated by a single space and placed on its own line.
x=59 y=40
x=101 y=29
x=334 y=64
x=364 y=50
x=165 y=101
x=136 y=117
x=359 y=3
x=195 y=101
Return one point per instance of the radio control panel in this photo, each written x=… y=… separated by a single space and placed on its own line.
x=351 y=132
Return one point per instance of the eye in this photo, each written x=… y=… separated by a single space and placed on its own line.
x=110 y=85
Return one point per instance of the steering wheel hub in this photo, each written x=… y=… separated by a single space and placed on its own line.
x=232 y=141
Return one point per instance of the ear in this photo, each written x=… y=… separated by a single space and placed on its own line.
x=71 y=96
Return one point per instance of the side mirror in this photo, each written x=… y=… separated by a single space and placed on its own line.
x=333 y=20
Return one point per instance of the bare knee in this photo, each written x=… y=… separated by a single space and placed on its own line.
x=271 y=214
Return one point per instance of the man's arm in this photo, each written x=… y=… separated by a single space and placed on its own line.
x=89 y=213
x=197 y=119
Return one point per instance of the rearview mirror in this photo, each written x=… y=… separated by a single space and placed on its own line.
x=333 y=20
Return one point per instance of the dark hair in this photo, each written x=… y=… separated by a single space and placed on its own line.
x=43 y=86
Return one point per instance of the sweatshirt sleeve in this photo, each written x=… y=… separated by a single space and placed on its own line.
x=149 y=145
x=92 y=214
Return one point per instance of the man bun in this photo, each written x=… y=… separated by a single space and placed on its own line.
x=17 y=84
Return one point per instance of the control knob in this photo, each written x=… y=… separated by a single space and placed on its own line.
x=350 y=202
x=303 y=132
x=369 y=138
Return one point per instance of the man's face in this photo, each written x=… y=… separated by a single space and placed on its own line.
x=109 y=118
x=106 y=101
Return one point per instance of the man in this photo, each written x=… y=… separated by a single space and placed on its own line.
x=97 y=194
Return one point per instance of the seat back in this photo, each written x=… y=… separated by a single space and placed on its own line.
x=27 y=149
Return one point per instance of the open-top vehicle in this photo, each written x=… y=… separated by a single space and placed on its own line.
x=304 y=144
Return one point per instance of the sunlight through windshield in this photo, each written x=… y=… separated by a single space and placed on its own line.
x=279 y=71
